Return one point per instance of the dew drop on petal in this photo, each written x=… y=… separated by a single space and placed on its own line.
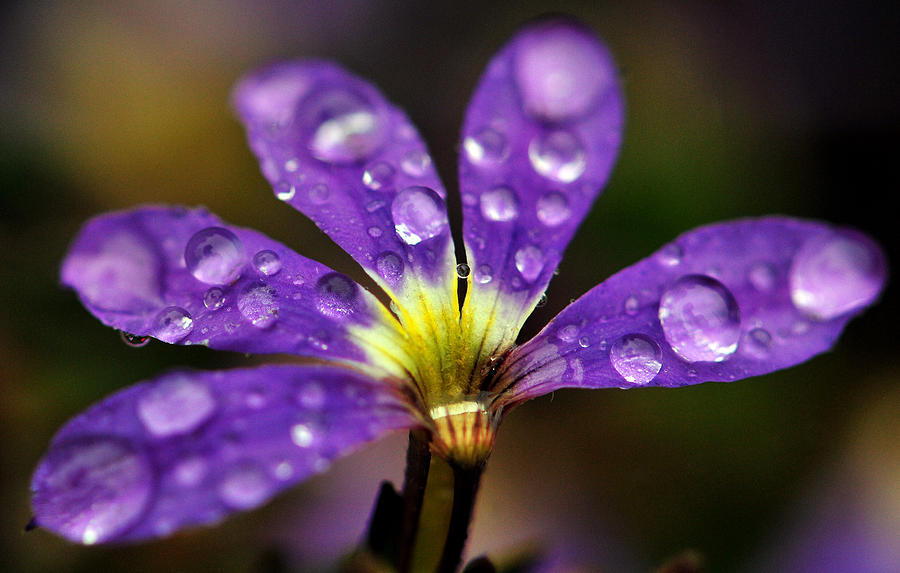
x=389 y=266
x=344 y=125
x=258 y=303
x=529 y=262
x=172 y=324
x=542 y=301
x=378 y=175
x=835 y=274
x=463 y=270
x=214 y=256
x=214 y=298
x=416 y=163
x=245 y=485
x=632 y=305
x=484 y=274
x=584 y=342
x=419 y=215
x=553 y=209
x=134 y=340
x=636 y=357
x=319 y=193
x=671 y=255
x=92 y=490
x=175 y=405
x=302 y=435
x=700 y=319
x=486 y=147
x=499 y=204
x=311 y=395
x=190 y=472
x=762 y=277
x=267 y=262
x=567 y=333
x=757 y=342
x=375 y=232
x=285 y=191
x=558 y=155
x=336 y=295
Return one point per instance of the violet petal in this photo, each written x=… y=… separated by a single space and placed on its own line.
x=540 y=138
x=190 y=448
x=183 y=276
x=720 y=303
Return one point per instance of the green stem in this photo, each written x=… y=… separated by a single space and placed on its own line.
x=418 y=462
x=465 y=490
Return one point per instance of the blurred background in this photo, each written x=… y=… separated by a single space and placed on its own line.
x=734 y=109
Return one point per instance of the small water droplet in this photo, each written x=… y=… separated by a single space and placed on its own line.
x=529 y=262
x=416 y=163
x=584 y=342
x=762 y=277
x=486 y=147
x=484 y=274
x=558 y=155
x=671 y=255
x=378 y=175
x=311 y=395
x=469 y=200
x=258 y=303
x=214 y=256
x=375 y=232
x=267 y=262
x=337 y=296
x=499 y=204
x=134 y=340
x=632 y=305
x=553 y=209
x=190 y=472
x=835 y=274
x=214 y=298
x=419 y=215
x=389 y=266
x=375 y=205
x=175 y=405
x=542 y=301
x=700 y=319
x=463 y=270
x=757 y=342
x=319 y=193
x=285 y=191
x=245 y=486
x=636 y=358
x=172 y=324
x=568 y=333
x=291 y=165
x=302 y=435
x=344 y=126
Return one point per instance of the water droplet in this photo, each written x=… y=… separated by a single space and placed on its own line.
x=302 y=435
x=344 y=125
x=285 y=191
x=543 y=300
x=258 y=303
x=175 y=405
x=671 y=254
x=484 y=274
x=375 y=205
x=389 y=266
x=529 y=262
x=245 y=486
x=311 y=395
x=499 y=204
x=700 y=319
x=553 y=209
x=486 y=147
x=214 y=256
x=632 y=305
x=134 y=340
x=757 y=342
x=568 y=333
x=319 y=193
x=291 y=165
x=415 y=163
x=762 y=277
x=172 y=324
x=214 y=298
x=463 y=270
x=337 y=296
x=636 y=358
x=835 y=274
x=190 y=472
x=378 y=175
x=267 y=262
x=418 y=214
x=375 y=232
x=92 y=490
x=560 y=72
x=557 y=155
x=256 y=398
x=584 y=342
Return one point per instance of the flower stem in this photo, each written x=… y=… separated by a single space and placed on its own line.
x=465 y=489
x=418 y=462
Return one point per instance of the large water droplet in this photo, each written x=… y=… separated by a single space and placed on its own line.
x=172 y=324
x=175 y=405
x=637 y=358
x=258 y=303
x=245 y=486
x=134 y=340
x=214 y=298
x=267 y=262
x=553 y=209
x=499 y=204
x=378 y=175
x=389 y=266
x=215 y=256
x=560 y=71
x=529 y=262
x=558 y=155
x=92 y=490
x=700 y=319
x=835 y=274
x=486 y=147
x=418 y=214
x=344 y=125
x=337 y=295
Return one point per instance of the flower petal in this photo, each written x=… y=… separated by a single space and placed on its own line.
x=720 y=303
x=335 y=149
x=183 y=276
x=539 y=141
x=191 y=447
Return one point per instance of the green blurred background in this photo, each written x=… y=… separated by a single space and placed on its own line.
x=734 y=109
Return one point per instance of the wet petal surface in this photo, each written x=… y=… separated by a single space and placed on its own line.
x=191 y=447
x=720 y=303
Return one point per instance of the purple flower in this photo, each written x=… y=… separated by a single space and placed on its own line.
x=719 y=303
